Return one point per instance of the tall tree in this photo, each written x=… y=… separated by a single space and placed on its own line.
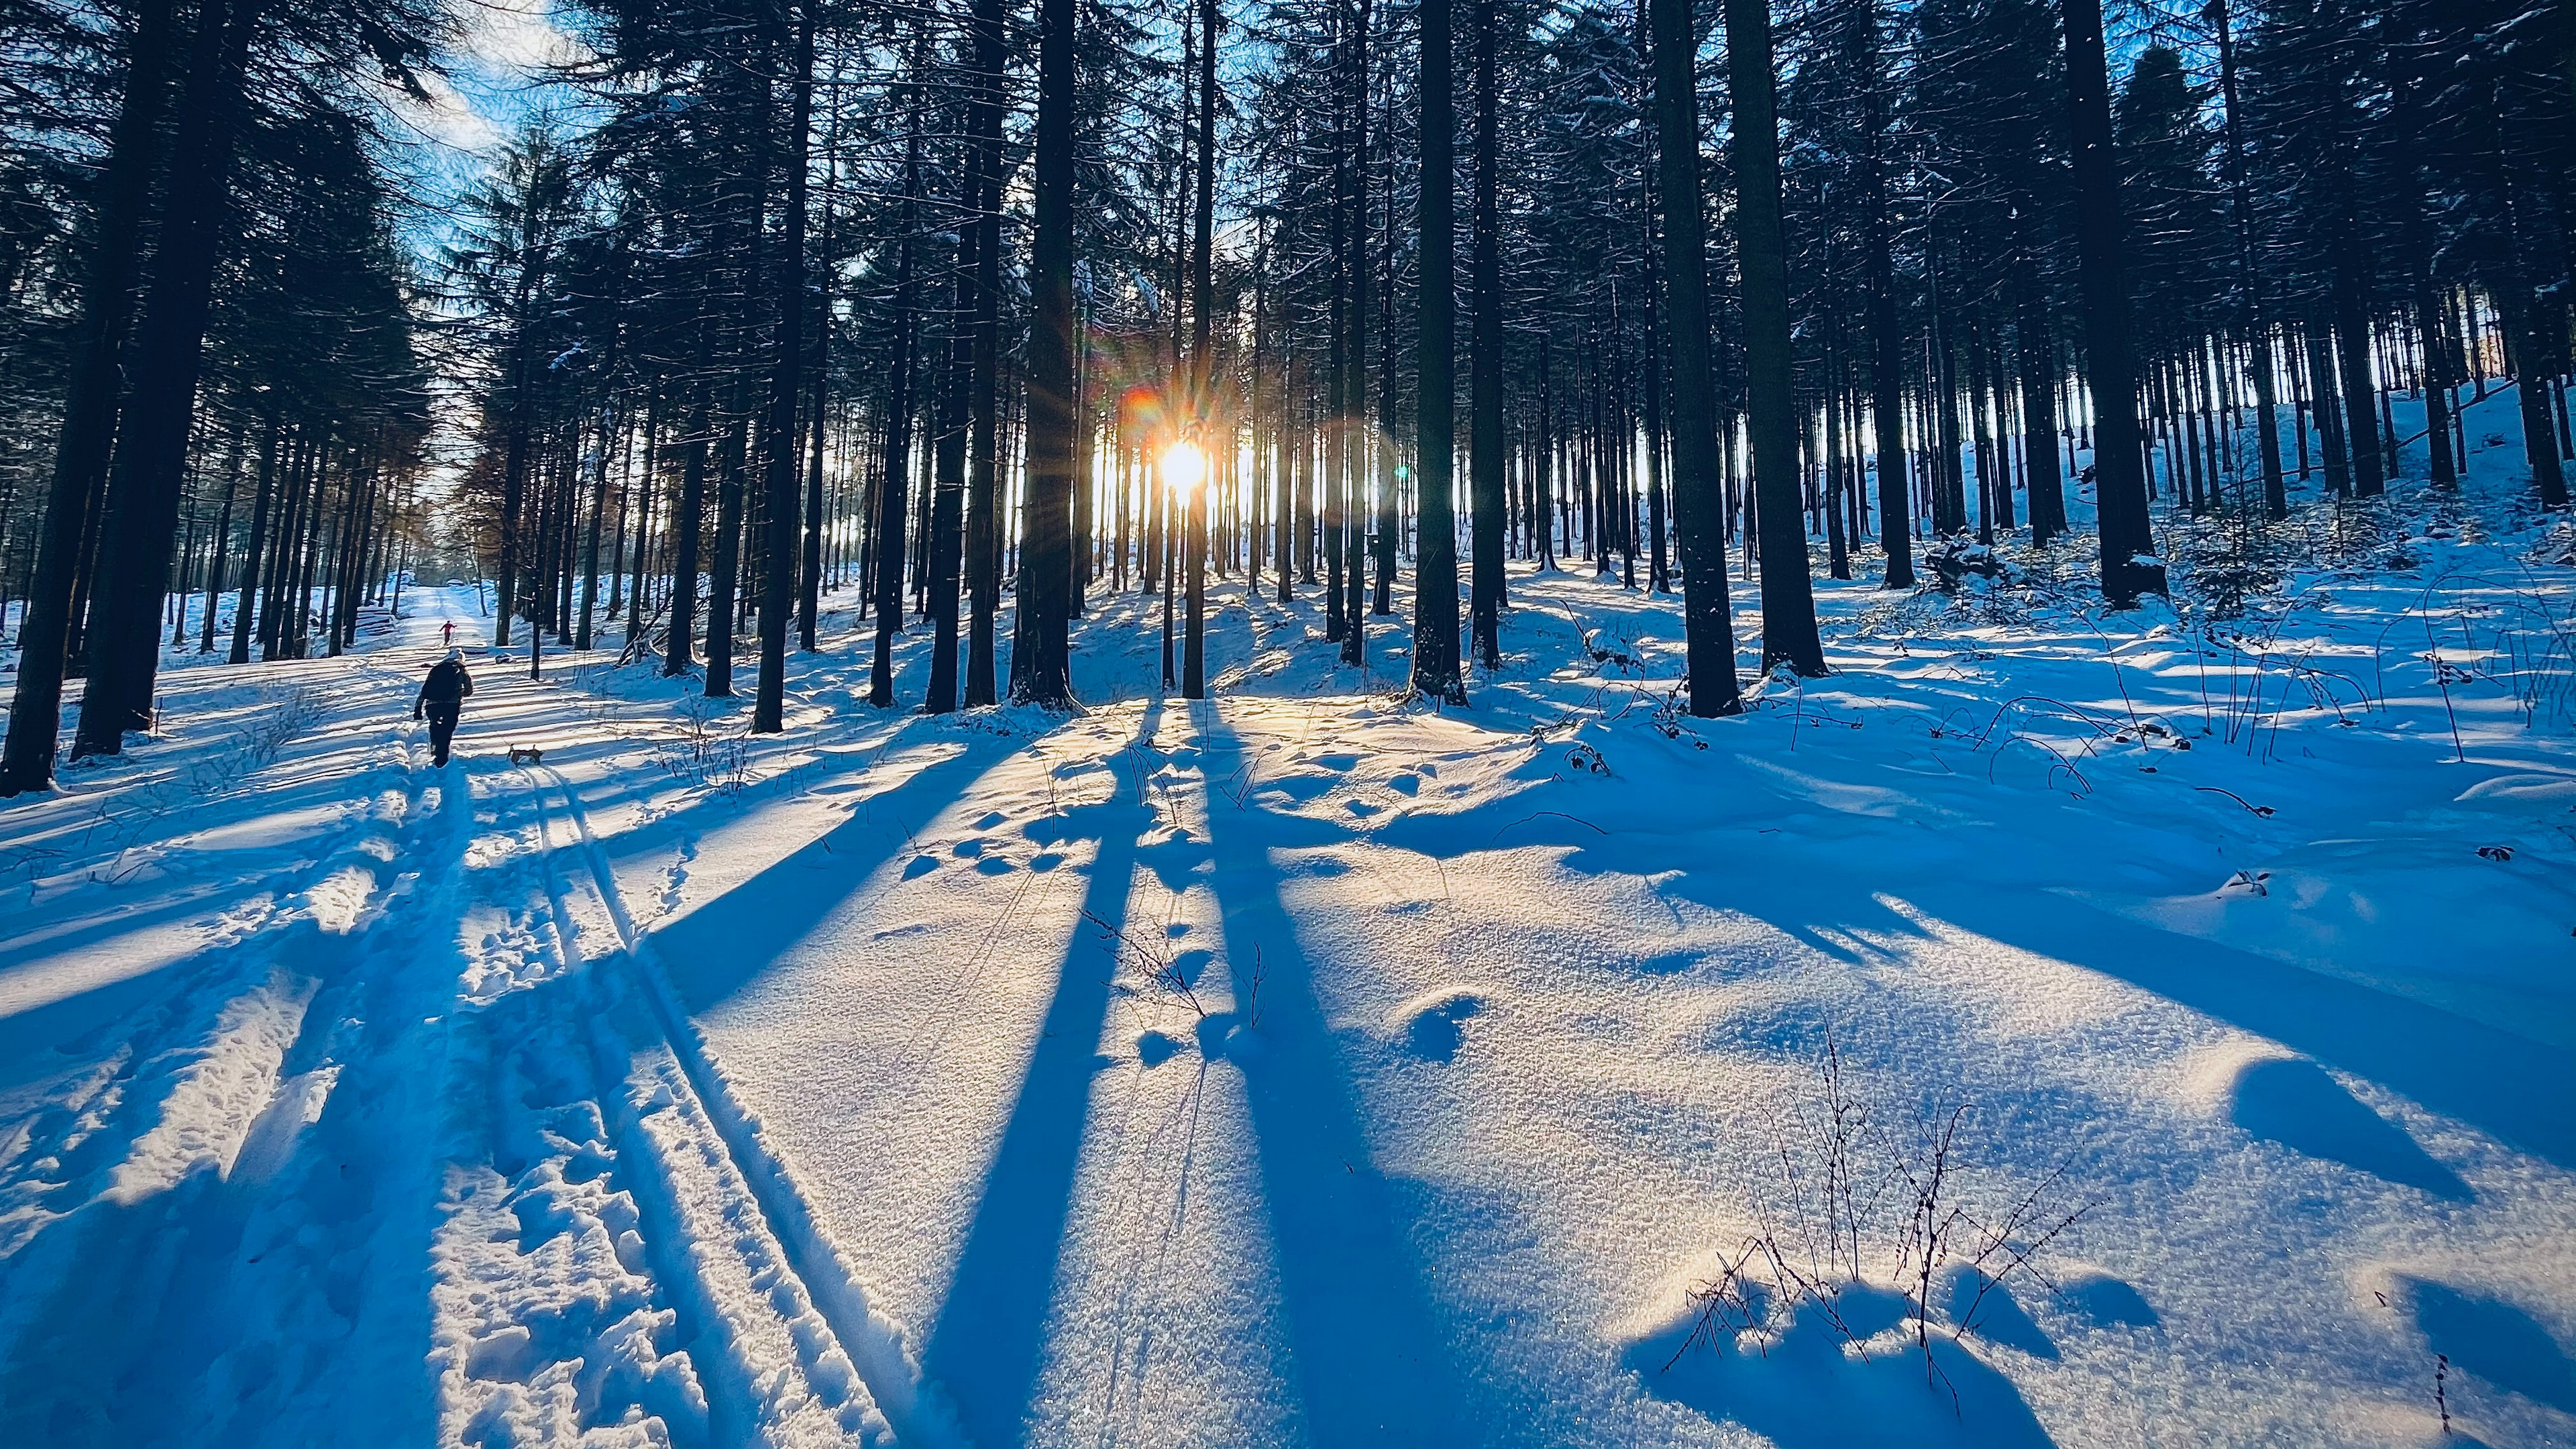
x=1771 y=421
x=1886 y=328
x=1435 y=583
x=1699 y=498
x=2257 y=313
x=1485 y=406
x=1046 y=587
x=780 y=454
x=88 y=428
x=2129 y=564
x=145 y=489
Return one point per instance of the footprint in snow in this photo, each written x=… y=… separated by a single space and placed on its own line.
x=2496 y=1340
x=2294 y=1102
x=2103 y=1301
x=1433 y=1027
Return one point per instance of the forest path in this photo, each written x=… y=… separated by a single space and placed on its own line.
x=414 y=1103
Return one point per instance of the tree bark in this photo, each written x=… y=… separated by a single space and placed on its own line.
x=786 y=389
x=88 y=432
x=1046 y=570
x=1485 y=456
x=894 y=487
x=1435 y=575
x=686 y=527
x=2258 y=321
x=2120 y=485
x=983 y=541
x=1788 y=599
x=144 y=495
x=1698 y=492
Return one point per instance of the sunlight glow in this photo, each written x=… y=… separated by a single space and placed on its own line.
x=1184 y=467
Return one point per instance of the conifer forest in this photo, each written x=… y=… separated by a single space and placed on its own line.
x=1801 y=723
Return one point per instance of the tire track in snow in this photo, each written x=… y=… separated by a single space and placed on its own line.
x=774 y=1228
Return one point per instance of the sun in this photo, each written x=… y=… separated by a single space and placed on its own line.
x=1184 y=467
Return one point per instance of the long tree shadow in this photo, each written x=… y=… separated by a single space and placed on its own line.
x=114 y=927
x=986 y=1344
x=2508 y=1085
x=2502 y=1083
x=712 y=952
x=1372 y=1364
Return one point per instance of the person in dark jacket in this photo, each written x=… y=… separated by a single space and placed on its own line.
x=442 y=698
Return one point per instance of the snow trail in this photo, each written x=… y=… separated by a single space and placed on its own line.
x=253 y=1224
x=372 y=1068
x=778 y=1237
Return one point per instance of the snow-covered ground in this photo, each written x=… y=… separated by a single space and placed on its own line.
x=1307 y=1066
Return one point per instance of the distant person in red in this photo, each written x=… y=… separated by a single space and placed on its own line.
x=447 y=632
x=442 y=698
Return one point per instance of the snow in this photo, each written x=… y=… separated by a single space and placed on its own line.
x=1309 y=1066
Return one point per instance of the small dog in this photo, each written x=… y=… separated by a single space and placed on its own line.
x=528 y=754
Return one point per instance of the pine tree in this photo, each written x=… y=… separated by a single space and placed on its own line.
x=1698 y=497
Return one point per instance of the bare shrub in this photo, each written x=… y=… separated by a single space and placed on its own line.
x=704 y=754
x=1148 y=965
x=287 y=715
x=1852 y=1193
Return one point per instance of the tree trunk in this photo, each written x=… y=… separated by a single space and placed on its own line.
x=216 y=547
x=2360 y=393
x=1046 y=574
x=143 y=506
x=786 y=388
x=724 y=578
x=1485 y=456
x=88 y=432
x=686 y=528
x=894 y=487
x=1698 y=492
x=1435 y=575
x=1352 y=425
x=1788 y=601
x=2120 y=485
x=2258 y=320
x=1199 y=401
x=2531 y=395
x=983 y=541
x=2038 y=366
x=256 y=545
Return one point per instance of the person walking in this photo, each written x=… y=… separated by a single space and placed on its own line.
x=447 y=634
x=442 y=698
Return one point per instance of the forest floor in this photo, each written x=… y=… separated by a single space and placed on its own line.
x=2056 y=1026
